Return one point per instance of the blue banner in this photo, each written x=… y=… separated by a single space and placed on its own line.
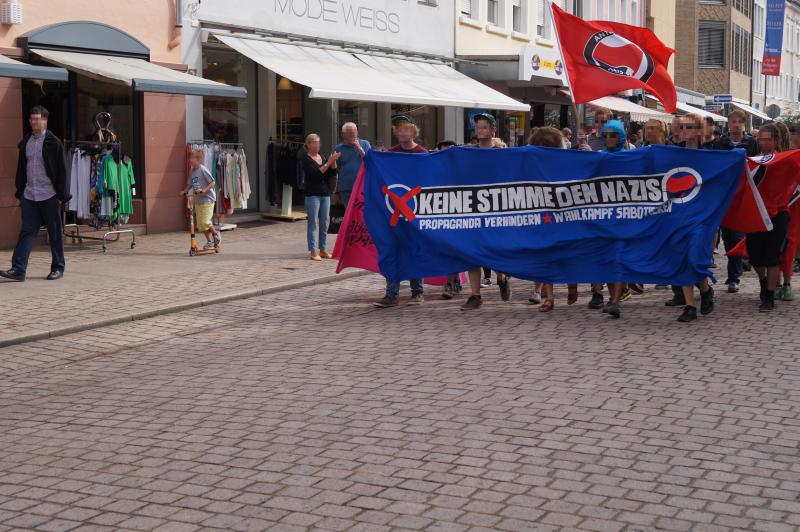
x=773 y=39
x=544 y=214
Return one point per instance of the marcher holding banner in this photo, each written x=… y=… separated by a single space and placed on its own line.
x=406 y=132
x=485 y=129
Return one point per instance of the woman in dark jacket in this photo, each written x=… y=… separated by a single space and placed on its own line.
x=320 y=181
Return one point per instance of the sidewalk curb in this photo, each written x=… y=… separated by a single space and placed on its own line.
x=182 y=307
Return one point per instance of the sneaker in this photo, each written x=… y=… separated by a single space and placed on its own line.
x=662 y=287
x=675 y=302
x=597 y=301
x=788 y=293
x=472 y=303
x=733 y=287
x=768 y=305
x=796 y=267
x=689 y=314
x=416 y=299
x=626 y=294
x=779 y=292
x=386 y=302
x=707 y=301
x=485 y=282
x=208 y=245
x=636 y=288
x=505 y=289
x=217 y=238
x=448 y=291
x=613 y=309
x=535 y=298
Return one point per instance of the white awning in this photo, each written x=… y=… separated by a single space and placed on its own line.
x=747 y=109
x=11 y=68
x=637 y=112
x=686 y=108
x=339 y=74
x=139 y=74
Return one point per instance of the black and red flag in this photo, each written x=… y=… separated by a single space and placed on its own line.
x=604 y=58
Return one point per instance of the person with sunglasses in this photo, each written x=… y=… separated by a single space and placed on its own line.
x=595 y=141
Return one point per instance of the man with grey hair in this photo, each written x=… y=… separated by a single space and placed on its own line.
x=352 y=149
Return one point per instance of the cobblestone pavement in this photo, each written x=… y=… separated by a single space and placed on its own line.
x=309 y=409
x=158 y=274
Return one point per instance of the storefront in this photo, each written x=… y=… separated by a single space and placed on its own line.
x=312 y=66
x=108 y=97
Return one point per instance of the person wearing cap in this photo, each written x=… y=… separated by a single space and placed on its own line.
x=352 y=151
x=406 y=132
x=594 y=141
x=485 y=129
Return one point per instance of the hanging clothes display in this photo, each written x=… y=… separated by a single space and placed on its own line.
x=281 y=168
x=227 y=163
x=101 y=183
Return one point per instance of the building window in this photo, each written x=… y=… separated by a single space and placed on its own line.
x=493 y=12
x=758 y=21
x=469 y=9
x=711 y=44
x=741 y=50
x=584 y=9
x=542 y=20
x=519 y=15
x=720 y=2
x=741 y=5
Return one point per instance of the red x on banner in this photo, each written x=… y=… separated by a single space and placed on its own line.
x=401 y=204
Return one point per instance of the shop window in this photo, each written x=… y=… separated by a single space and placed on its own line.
x=96 y=97
x=362 y=114
x=228 y=119
x=426 y=120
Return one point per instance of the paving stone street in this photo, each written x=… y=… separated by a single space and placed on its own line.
x=308 y=409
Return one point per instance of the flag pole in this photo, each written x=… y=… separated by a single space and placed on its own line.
x=578 y=124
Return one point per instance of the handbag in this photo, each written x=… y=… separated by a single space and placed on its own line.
x=336 y=217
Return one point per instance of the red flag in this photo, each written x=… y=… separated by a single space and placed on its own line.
x=604 y=58
x=766 y=188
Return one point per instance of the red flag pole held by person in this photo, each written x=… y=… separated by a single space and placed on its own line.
x=603 y=58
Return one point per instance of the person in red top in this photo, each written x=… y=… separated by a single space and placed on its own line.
x=406 y=132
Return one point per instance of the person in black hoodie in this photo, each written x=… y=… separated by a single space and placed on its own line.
x=41 y=189
x=319 y=174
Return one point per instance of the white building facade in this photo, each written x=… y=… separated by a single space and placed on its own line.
x=782 y=94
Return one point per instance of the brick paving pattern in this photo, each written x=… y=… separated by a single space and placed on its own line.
x=310 y=410
x=157 y=274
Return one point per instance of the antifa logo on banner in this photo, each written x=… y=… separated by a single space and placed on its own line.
x=617 y=55
x=596 y=198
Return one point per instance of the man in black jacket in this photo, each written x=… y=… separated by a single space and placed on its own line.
x=41 y=189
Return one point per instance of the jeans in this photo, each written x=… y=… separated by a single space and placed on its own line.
x=735 y=264
x=393 y=288
x=319 y=212
x=34 y=215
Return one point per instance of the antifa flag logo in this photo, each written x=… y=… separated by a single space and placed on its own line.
x=682 y=184
x=619 y=56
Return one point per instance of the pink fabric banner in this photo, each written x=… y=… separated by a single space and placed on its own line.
x=354 y=247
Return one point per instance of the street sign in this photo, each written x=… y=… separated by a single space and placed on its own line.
x=723 y=98
x=713 y=107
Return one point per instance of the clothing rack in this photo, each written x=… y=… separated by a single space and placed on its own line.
x=221 y=144
x=287 y=191
x=114 y=228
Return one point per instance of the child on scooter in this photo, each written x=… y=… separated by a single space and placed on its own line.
x=202 y=182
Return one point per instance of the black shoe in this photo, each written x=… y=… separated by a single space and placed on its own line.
x=55 y=275
x=763 y=293
x=472 y=303
x=675 y=302
x=636 y=288
x=505 y=289
x=613 y=309
x=768 y=305
x=707 y=301
x=13 y=274
x=596 y=301
x=689 y=314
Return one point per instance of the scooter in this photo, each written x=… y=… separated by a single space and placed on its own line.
x=195 y=248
